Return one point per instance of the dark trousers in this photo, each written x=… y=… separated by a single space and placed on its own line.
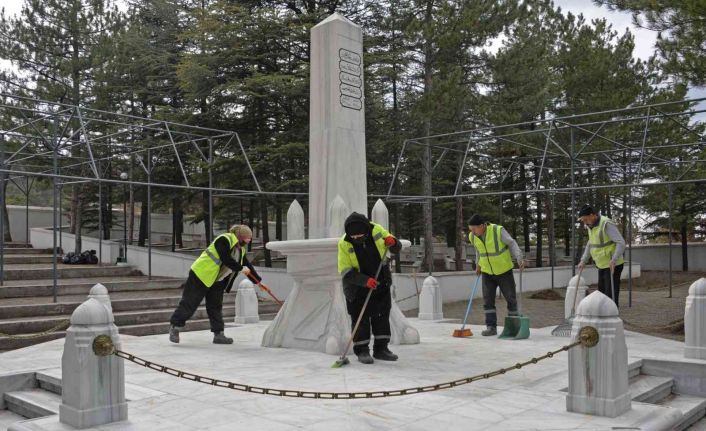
x=604 y=283
x=194 y=292
x=376 y=317
x=506 y=283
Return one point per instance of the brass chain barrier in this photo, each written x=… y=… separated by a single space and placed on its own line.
x=103 y=346
x=62 y=325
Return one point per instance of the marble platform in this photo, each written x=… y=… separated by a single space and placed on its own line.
x=527 y=399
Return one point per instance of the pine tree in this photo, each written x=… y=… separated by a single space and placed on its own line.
x=681 y=41
x=56 y=43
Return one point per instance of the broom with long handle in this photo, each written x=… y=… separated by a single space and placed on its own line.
x=262 y=286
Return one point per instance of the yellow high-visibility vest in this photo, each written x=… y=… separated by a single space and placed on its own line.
x=347 y=260
x=209 y=267
x=495 y=258
x=601 y=246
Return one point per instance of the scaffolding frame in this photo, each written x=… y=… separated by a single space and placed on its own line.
x=47 y=133
x=554 y=155
x=48 y=130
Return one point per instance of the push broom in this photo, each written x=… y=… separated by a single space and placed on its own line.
x=262 y=286
x=467 y=332
x=564 y=328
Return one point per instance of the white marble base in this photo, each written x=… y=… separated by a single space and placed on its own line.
x=695 y=321
x=402 y=330
x=314 y=316
x=246 y=304
x=528 y=399
x=598 y=376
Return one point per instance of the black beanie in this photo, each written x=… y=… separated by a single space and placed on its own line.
x=476 y=220
x=356 y=224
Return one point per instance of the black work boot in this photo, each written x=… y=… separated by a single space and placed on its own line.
x=174 y=333
x=364 y=357
x=220 y=338
x=384 y=354
x=490 y=330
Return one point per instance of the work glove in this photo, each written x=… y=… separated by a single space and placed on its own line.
x=390 y=241
x=371 y=284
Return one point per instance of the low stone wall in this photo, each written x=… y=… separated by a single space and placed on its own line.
x=456 y=286
x=656 y=256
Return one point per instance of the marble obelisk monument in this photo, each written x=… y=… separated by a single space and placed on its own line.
x=314 y=316
x=336 y=123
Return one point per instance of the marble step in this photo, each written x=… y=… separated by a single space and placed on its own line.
x=634 y=370
x=12 y=259
x=159 y=323
x=29 y=271
x=698 y=426
x=48 y=382
x=33 y=403
x=155 y=300
x=81 y=286
x=27 y=250
x=8 y=418
x=693 y=408
x=16 y=245
x=650 y=389
x=158 y=326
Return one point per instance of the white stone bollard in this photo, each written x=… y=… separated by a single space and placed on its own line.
x=100 y=293
x=695 y=321
x=574 y=296
x=430 y=303
x=598 y=376
x=93 y=387
x=338 y=212
x=246 y=307
x=380 y=214
x=295 y=221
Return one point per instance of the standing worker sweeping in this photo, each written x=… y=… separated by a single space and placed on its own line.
x=606 y=246
x=210 y=277
x=494 y=247
x=360 y=252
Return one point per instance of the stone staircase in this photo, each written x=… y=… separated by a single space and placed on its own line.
x=662 y=391
x=141 y=306
x=37 y=394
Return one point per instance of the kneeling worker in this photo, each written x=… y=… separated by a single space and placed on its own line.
x=209 y=277
x=494 y=245
x=360 y=252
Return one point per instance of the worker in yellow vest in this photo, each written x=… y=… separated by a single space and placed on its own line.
x=360 y=251
x=494 y=251
x=606 y=246
x=210 y=277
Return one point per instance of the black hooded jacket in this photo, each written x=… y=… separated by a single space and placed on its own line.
x=366 y=252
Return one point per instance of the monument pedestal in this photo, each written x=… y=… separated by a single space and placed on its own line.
x=314 y=316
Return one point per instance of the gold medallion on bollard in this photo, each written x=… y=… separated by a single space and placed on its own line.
x=588 y=336
x=103 y=345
